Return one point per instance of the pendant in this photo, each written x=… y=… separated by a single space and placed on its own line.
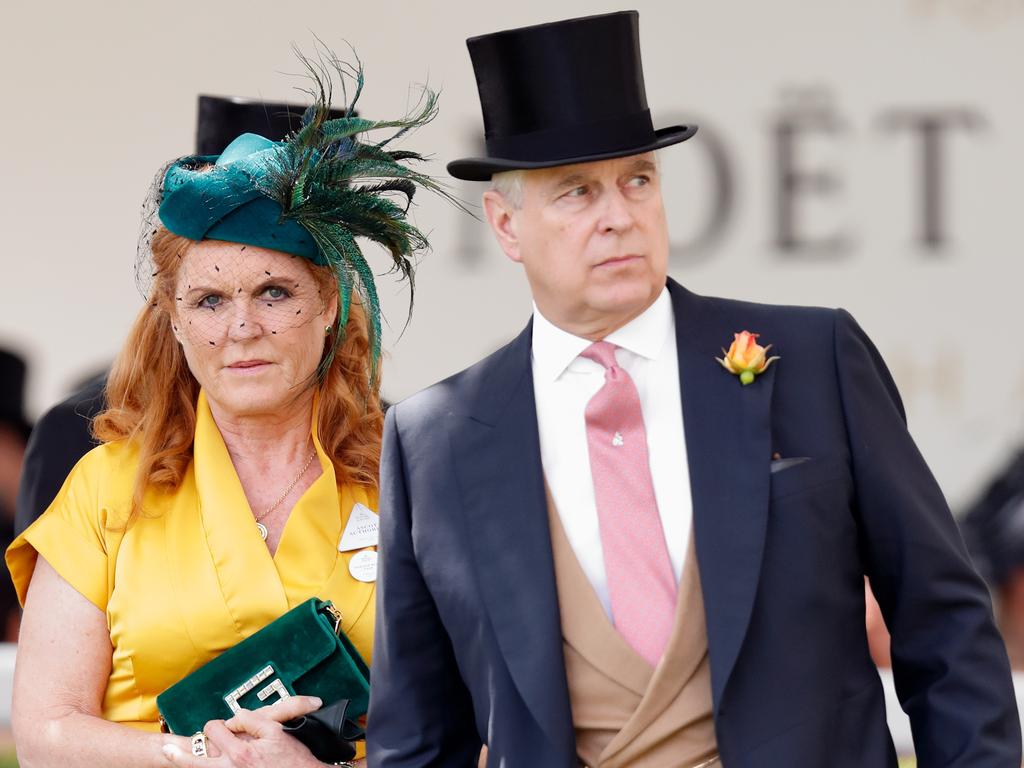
x=263 y=530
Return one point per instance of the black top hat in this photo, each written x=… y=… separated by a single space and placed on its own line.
x=567 y=92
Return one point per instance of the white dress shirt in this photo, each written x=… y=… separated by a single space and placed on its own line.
x=564 y=382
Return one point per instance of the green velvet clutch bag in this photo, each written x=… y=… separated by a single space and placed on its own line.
x=304 y=652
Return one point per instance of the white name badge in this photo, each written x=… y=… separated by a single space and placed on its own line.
x=362 y=529
x=363 y=566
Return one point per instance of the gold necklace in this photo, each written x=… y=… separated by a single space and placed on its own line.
x=284 y=494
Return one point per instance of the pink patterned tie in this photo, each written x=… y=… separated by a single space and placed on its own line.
x=641 y=582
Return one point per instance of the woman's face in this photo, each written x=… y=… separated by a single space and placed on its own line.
x=251 y=322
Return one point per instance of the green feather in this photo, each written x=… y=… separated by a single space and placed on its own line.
x=338 y=185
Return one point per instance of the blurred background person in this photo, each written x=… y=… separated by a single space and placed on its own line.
x=993 y=527
x=14 y=432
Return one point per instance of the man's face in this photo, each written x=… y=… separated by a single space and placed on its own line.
x=592 y=238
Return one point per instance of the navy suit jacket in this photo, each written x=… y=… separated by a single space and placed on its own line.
x=468 y=648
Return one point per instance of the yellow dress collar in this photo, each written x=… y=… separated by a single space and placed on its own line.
x=252 y=581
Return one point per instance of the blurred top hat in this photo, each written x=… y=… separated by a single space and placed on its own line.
x=222 y=119
x=566 y=92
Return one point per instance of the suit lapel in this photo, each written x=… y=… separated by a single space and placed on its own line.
x=496 y=451
x=728 y=444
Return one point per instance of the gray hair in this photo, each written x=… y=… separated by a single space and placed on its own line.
x=509 y=184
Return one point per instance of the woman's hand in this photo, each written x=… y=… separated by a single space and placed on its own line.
x=252 y=739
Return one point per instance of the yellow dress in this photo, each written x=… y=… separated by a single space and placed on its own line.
x=191 y=577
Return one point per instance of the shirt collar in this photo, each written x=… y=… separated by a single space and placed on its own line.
x=554 y=349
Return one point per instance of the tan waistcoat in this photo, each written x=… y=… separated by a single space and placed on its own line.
x=625 y=713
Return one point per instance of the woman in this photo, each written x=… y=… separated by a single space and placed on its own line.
x=242 y=435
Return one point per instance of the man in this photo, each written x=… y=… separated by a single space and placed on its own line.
x=602 y=545
x=993 y=529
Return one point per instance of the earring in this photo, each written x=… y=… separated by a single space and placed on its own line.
x=327 y=330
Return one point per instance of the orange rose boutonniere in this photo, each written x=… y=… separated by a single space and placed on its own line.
x=746 y=358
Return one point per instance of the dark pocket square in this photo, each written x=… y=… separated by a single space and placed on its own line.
x=780 y=464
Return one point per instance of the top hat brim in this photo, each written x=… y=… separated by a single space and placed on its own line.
x=482 y=168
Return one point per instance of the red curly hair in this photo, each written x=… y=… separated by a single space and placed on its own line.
x=152 y=394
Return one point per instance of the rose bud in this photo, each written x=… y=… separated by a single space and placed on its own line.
x=746 y=358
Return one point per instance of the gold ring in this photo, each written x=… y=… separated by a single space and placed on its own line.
x=199 y=744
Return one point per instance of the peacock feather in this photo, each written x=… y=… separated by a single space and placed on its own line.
x=330 y=178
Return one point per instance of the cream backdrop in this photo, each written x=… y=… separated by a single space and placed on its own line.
x=97 y=95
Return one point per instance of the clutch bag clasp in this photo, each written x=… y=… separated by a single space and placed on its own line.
x=274 y=686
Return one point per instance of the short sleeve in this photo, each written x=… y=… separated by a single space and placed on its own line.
x=70 y=535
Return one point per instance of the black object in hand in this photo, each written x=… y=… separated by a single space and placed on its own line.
x=327 y=733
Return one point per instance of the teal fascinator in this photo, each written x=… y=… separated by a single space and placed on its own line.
x=313 y=194
x=221 y=198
